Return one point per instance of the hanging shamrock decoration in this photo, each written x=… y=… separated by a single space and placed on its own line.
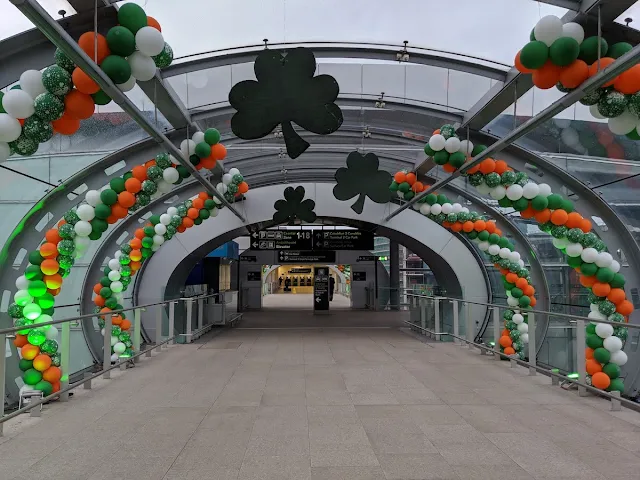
x=286 y=92
x=361 y=177
x=294 y=207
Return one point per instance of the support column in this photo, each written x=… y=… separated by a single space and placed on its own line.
x=394 y=275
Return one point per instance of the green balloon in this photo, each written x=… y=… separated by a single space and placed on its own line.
x=618 y=281
x=57 y=80
x=404 y=187
x=564 y=51
x=63 y=61
x=121 y=41
x=589 y=49
x=35 y=258
x=99 y=225
x=441 y=157
x=478 y=149
x=633 y=134
x=574 y=262
x=198 y=221
x=504 y=202
x=25 y=364
x=36 y=129
x=111 y=303
x=539 y=203
x=211 y=136
x=204 y=214
x=483 y=235
x=567 y=206
x=612 y=370
x=618 y=49
x=602 y=355
x=132 y=16
x=591 y=330
x=155 y=220
x=430 y=152
x=109 y=197
x=605 y=275
x=31 y=376
x=494 y=238
x=594 y=341
x=442 y=199
x=521 y=204
x=164 y=58
x=46 y=301
x=149 y=231
x=117 y=184
x=33 y=272
x=203 y=150
x=534 y=55
x=588 y=269
x=457 y=159
x=524 y=301
x=516 y=292
x=45 y=387
x=555 y=201
x=37 y=336
x=37 y=288
x=184 y=173
x=117 y=68
x=407 y=196
x=24 y=145
x=147 y=242
x=48 y=107
x=617 y=385
x=105 y=292
x=101 y=98
x=102 y=211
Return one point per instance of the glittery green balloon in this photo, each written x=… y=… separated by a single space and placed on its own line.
x=66 y=231
x=188 y=204
x=24 y=146
x=15 y=310
x=154 y=173
x=164 y=58
x=37 y=129
x=163 y=161
x=143 y=198
x=149 y=187
x=588 y=239
x=71 y=217
x=171 y=229
x=574 y=235
x=621 y=332
x=476 y=179
x=56 y=359
x=125 y=270
x=176 y=220
x=63 y=61
x=65 y=261
x=57 y=80
x=237 y=179
x=66 y=247
x=515 y=335
x=606 y=307
x=441 y=217
x=559 y=231
x=48 y=107
x=37 y=336
x=522 y=178
x=615 y=317
x=49 y=347
x=612 y=104
x=233 y=189
x=447 y=131
x=23 y=322
x=592 y=98
x=182 y=211
x=508 y=314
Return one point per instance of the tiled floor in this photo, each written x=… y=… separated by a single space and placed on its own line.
x=301 y=301
x=323 y=404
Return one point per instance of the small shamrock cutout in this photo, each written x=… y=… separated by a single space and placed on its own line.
x=294 y=207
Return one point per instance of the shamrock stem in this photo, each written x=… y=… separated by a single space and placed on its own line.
x=296 y=145
x=359 y=205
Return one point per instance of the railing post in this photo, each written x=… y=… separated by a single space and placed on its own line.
x=106 y=347
x=436 y=312
x=532 y=344
x=137 y=332
x=616 y=406
x=437 y=318
x=3 y=371
x=87 y=383
x=470 y=333
x=581 y=357
x=200 y=313
x=65 y=346
x=159 y=327
x=423 y=313
x=496 y=333
x=188 y=338
x=456 y=326
x=172 y=322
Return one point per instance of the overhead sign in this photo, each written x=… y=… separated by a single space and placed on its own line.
x=359 y=276
x=282 y=240
x=254 y=277
x=297 y=256
x=366 y=258
x=342 y=240
x=248 y=258
x=321 y=289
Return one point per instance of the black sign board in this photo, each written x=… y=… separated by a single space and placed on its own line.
x=367 y=258
x=282 y=240
x=300 y=270
x=297 y=256
x=321 y=289
x=359 y=276
x=248 y=258
x=254 y=277
x=342 y=240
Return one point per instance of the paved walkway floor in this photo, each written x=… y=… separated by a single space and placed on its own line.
x=301 y=301
x=318 y=404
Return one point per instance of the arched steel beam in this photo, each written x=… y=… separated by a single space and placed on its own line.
x=373 y=51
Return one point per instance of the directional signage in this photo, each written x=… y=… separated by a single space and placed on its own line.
x=366 y=258
x=297 y=256
x=342 y=240
x=282 y=240
x=359 y=276
x=321 y=289
x=248 y=258
x=254 y=277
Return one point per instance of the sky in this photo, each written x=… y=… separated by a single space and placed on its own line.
x=490 y=29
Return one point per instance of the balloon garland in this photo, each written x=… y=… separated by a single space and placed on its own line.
x=572 y=235
x=42 y=280
x=406 y=185
x=560 y=55
x=58 y=98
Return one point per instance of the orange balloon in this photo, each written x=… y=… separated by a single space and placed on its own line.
x=585 y=225
x=616 y=296
x=133 y=185
x=79 y=105
x=49 y=267
x=96 y=288
x=139 y=173
x=600 y=380
x=474 y=169
x=56 y=387
x=573 y=220
x=135 y=243
x=135 y=255
x=187 y=222
x=181 y=228
x=446 y=224
x=604 y=62
x=543 y=216
x=601 y=289
x=204 y=196
x=243 y=187
x=528 y=212
x=150 y=163
x=56 y=291
x=417 y=187
x=135 y=266
x=118 y=211
x=66 y=124
x=152 y=22
x=400 y=177
x=505 y=341
x=522 y=283
x=501 y=167
x=125 y=325
x=52 y=374
x=198 y=203
x=20 y=340
x=511 y=277
x=518 y=64
x=116 y=320
x=559 y=217
x=435 y=132
x=625 y=308
x=218 y=151
x=479 y=225
x=42 y=362
x=593 y=366
x=532 y=301
x=574 y=74
x=111 y=219
x=29 y=351
x=490 y=226
x=139 y=233
x=52 y=236
x=209 y=163
x=61 y=222
x=88 y=41
x=411 y=178
x=628 y=82
x=487 y=165
x=468 y=226
x=505 y=333
x=588 y=353
x=456 y=227
x=546 y=76
x=193 y=213
x=49 y=250
x=529 y=290
x=127 y=199
x=84 y=83
x=587 y=282
x=99 y=301
x=509 y=351
x=447 y=167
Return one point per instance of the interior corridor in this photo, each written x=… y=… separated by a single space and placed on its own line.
x=259 y=404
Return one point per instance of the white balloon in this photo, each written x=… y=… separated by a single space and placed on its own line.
x=22 y=297
x=51 y=332
x=82 y=228
x=155 y=247
x=149 y=41
x=227 y=178
x=494 y=249
x=213 y=212
x=570 y=137
x=216 y=200
x=118 y=254
x=120 y=347
x=164 y=187
x=523 y=327
x=484 y=246
x=615 y=266
x=92 y=197
x=548 y=29
x=114 y=275
x=623 y=124
x=594 y=307
x=198 y=137
x=143 y=68
x=604 y=330
x=521 y=263
x=86 y=212
x=560 y=242
x=562 y=122
x=604 y=259
x=233 y=171
x=618 y=357
x=5 y=151
x=114 y=340
x=114 y=358
x=436 y=209
x=416 y=206
x=498 y=193
x=595 y=113
x=512 y=301
x=514 y=192
x=425 y=209
x=18 y=104
x=437 y=142
x=221 y=188
x=31 y=82
x=114 y=264
x=22 y=283
x=457 y=208
x=514 y=256
x=188 y=148
x=116 y=286
x=574 y=249
x=524 y=337
x=530 y=191
x=447 y=208
x=10 y=128
x=160 y=229
x=596 y=315
x=82 y=243
x=573 y=30
x=589 y=255
x=128 y=85
x=483 y=189
x=613 y=344
x=170 y=175
x=171 y=211
x=165 y=219
x=158 y=240
x=452 y=144
x=518 y=319
x=464 y=210
x=504 y=252
x=466 y=147
x=544 y=189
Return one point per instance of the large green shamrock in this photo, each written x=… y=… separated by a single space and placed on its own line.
x=294 y=207
x=286 y=92
x=362 y=177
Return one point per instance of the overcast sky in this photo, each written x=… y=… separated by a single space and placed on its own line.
x=491 y=29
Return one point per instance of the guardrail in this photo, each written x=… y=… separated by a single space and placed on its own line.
x=531 y=364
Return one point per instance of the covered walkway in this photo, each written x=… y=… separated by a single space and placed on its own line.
x=336 y=403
